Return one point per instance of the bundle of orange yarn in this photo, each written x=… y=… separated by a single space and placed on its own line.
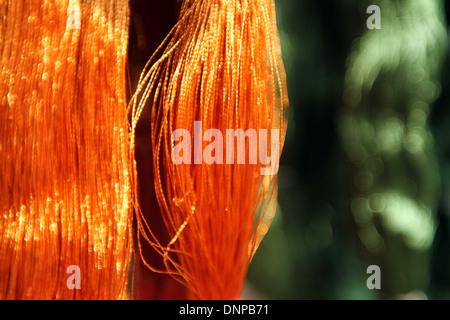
x=68 y=177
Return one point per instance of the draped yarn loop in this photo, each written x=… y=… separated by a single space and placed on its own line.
x=220 y=65
x=65 y=187
x=68 y=177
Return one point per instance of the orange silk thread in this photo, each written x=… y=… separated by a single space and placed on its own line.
x=65 y=187
x=221 y=65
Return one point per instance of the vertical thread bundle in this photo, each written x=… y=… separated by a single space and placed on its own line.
x=65 y=190
x=67 y=170
x=220 y=65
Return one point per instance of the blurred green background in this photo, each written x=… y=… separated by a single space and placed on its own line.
x=364 y=177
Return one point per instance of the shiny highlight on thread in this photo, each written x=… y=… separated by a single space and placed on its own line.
x=220 y=64
x=65 y=187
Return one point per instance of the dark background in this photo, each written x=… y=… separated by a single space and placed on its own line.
x=315 y=249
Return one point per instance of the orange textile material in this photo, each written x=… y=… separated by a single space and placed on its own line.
x=69 y=180
x=220 y=65
x=65 y=187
